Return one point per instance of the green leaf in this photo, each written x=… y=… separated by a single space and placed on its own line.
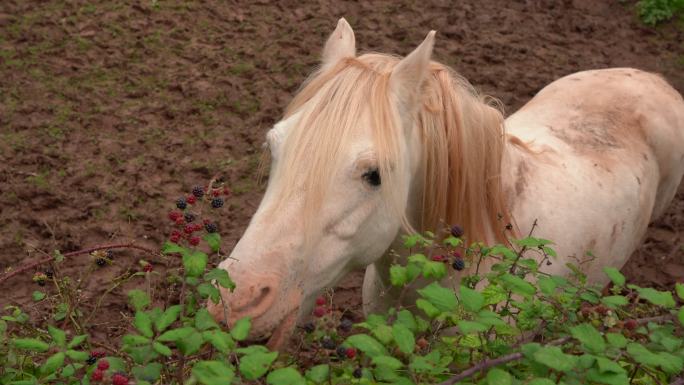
x=175 y=335
x=554 y=358
x=285 y=376
x=398 y=275
x=367 y=344
x=207 y=290
x=658 y=298
x=143 y=323
x=680 y=315
x=494 y=294
x=467 y=327
x=532 y=242
x=497 y=376
x=221 y=340
x=134 y=339
x=77 y=355
x=139 y=299
x=614 y=301
x=547 y=285
x=387 y=361
x=471 y=299
x=435 y=270
x=30 y=344
x=167 y=318
x=213 y=373
x=255 y=365
x=679 y=288
x=195 y=263
x=617 y=340
x=642 y=355
x=541 y=381
x=162 y=349
x=442 y=298
x=58 y=335
x=53 y=363
x=610 y=378
x=38 y=295
x=252 y=349
x=79 y=339
x=606 y=365
x=404 y=338
x=318 y=373
x=406 y=318
x=190 y=344
x=204 y=320
x=213 y=240
x=518 y=285
x=615 y=276
x=240 y=330
x=221 y=277
x=170 y=248
x=589 y=337
x=149 y=372
x=428 y=308
x=383 y=333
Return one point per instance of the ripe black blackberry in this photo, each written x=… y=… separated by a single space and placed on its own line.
x=341 y=352
x=458 y=264
x=309 y=327
x=216 y=203
x=328 y=343
x=211 y=228
x=49 y=273
x=357 y=373
x=457 y=231
x=189 y=217
x=181 y=203
x=101 y=262
x=198 y=191
x=346 y=324
x=91 y=360
x=110 y=254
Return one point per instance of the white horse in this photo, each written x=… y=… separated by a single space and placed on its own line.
x=373 y=145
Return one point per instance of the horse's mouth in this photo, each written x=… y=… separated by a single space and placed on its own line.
x=282 y=333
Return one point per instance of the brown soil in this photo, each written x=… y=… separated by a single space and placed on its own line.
x=108 y=113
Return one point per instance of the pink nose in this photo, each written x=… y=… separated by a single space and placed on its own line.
x=253 y=297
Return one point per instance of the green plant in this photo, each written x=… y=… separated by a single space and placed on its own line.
x=653 y=12
x=513 y=324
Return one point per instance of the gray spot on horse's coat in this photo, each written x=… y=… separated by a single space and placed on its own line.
x=638 y=180
x=521 y=178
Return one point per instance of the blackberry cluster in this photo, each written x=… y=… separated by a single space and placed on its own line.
x=198 y=191
x=211 y=228
x=459 y=264
x=217 y=202
x=181 y=203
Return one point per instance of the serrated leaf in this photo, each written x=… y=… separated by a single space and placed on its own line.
x=680 y=315
x=387 y=361
x=37 y=295
x=221 y=340
x=367 y=344
x=547 y=285
x=554 y=358
x=76 y=355
x=58 y=335
x=162 y=349
x=149 y=372
x=658 y=298
x=167 y=318
x=221 y=277
x=139 y=299
x=442 y=298
x=404 y=338
x=398 y=276
x=428 y=308
x=497 y=376
x=30 y=344
x=191 y=344
x=467 y=327
x=406 y=318
x=471 y=299
x=79 y=339
x=255 y=365
x=213 y=240
x=240 y=330
x=616 y=340
x=207 y=290
x=383 y=333
x=170 y=248
x=614 y=301
x=134 y=340
x=194 y=263
x=615 y=276
x=434 y=270
x=518 y=285
x=213 y=373
x=589 y=337
x=53 y=363
x=679 y=288
x=174 y=335
x=318 y=373
x=285 y=376
x=143 y=323
x=541 y=381
x=532 y=242
x=204 y=320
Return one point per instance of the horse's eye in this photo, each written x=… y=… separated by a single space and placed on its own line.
x=372 y=177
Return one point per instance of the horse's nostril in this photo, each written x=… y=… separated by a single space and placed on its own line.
x=261 y=300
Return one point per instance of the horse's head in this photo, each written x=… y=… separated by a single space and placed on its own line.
x=343 y=158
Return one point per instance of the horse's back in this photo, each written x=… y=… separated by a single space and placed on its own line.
x=608 y=147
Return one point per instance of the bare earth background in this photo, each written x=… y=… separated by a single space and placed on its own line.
x=110 y=112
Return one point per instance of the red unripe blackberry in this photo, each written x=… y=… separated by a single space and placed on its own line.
x=351 y=353
x=422 y=343
x=97 y=375
x=181 y=203
x=189 y=229
x=98 y=354
x=630 y=324
x=211 y=228
x=147 y=268
x=176 y=233
x=226 y=191
x=438 y=258
x=180 y=221
x=602 y=310
x=119 y=379
x=175 y=238
x=191 y=199
x=457 y=231
x=194 y=241
x=320 y=301
x=319 y=311
x=216 y=192
x=198 y=191
x=216 y=203
x=173 y=215
x=103 y=365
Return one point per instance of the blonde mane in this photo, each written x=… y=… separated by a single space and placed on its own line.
x=462 y=138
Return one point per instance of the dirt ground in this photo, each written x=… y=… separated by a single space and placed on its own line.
x=110 y=112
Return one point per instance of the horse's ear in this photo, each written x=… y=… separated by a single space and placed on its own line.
x=341 y=44
x=409 y=74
